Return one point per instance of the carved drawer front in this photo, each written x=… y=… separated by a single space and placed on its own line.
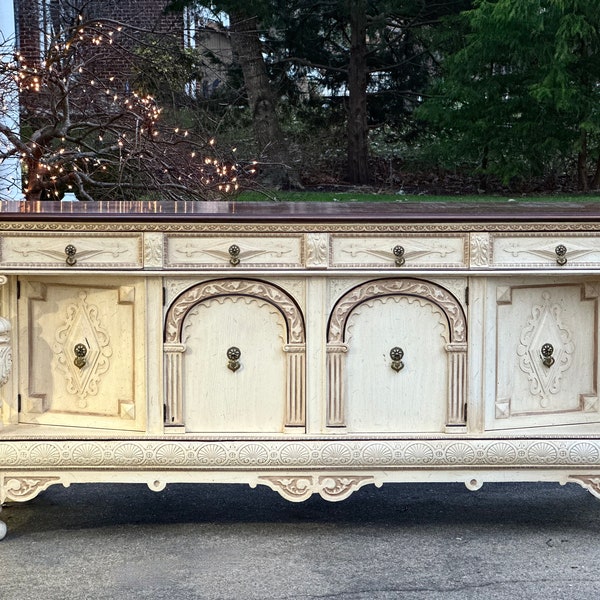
x=237 y=251
x=546 y=357
x=546 y=251
x=87 y=251
x=398 y=251
x=82 y=353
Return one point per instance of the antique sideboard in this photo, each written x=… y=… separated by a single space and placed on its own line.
x=311 y=348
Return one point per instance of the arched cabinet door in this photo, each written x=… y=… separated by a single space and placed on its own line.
x=234 y=354
x=397 y=358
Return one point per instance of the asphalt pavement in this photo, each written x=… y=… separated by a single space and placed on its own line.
x=218 y=542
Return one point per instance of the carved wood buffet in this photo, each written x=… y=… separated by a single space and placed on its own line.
x=311 y=348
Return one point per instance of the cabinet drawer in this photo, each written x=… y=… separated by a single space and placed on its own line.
x=551 y=251
x=398 y=251
x=58 y=251
x=233 y=251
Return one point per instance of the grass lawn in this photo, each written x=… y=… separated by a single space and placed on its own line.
x=354 y=196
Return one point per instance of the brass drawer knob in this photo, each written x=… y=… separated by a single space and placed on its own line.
x=71 y=251
x=234 y=255
x=546 y=354
x=398 y=252
x=80 y=353
x=561 y=252
x=397 y=354
x=233 y=356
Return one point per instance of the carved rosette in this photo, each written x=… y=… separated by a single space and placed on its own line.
x=430 y=292
x=294 y=347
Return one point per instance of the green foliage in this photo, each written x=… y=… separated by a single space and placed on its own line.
x=521 y=96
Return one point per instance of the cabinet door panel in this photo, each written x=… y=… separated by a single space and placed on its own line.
x=105 y=386
x=414 y=397
x=251 y=398
x=546 y=355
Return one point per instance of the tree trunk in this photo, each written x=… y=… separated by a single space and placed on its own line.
x=582 y=175
x=273 y=153
x=358 y=132
x=596 y=180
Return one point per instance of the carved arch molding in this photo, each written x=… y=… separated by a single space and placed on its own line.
x=295 y=346
x=456 y=349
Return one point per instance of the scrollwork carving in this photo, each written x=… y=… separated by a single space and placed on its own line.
x=330 y=487
x=5 y=351
x=545 y=323
x=235 y=287
x=316 y=250
x=83 y=317
x=589 y=482
x=403 y=287
x=23 y=488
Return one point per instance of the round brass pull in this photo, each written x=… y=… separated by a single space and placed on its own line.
x=397 y=354
x=234 y=254
x=80 y=353
x=561 y=252
x=71 y=251
x=233 y=356
x=546 y=355
x=398 y=252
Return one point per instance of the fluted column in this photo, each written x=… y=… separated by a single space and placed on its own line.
x=173 y=384
x=296 y=393
x=457 y=381
x=336 y=358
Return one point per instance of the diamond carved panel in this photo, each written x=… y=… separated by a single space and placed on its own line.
x=545 y=327
x=82 y=326
x=546 y=352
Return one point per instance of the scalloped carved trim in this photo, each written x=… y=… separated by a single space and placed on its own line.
x=370 y=453
x=333 y=488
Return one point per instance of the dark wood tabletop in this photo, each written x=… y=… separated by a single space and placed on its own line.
x=303 y=212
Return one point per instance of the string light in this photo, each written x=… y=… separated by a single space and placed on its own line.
x=48 y=166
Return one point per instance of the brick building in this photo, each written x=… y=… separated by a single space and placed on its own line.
x=38 y=21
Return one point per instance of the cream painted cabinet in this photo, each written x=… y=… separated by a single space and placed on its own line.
x=81 y=359
x=312 y=348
